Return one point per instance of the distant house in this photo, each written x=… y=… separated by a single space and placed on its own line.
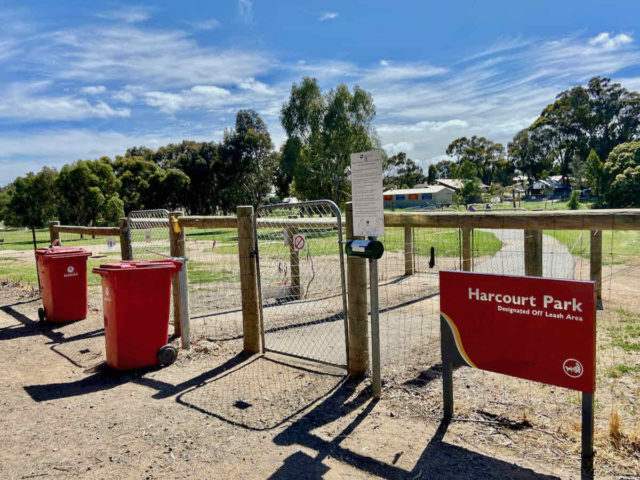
x=454 y=184
x=549 y=188
x=434 y=195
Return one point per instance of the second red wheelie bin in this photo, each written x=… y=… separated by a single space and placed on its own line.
x=63 y=283
x=136 y=298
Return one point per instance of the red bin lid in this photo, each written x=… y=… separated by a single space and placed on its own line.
x=66 y=251
x=137 y=265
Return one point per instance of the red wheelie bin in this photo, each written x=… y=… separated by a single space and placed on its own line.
x=136 y=298
x=63 y=283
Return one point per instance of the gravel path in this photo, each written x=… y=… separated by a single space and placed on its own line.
x=557 y=261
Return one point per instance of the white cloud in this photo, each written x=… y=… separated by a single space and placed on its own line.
x=208 y=24
x=630 y=83
x=610 y=42
x=245 y=10
x=392 y=72
x=127 y=14
x=22 y=102
x=253 y=85
x=329 y=16
x=159 y=58
x=94 y=89
x=206 y=97
x=393 y=148
x=422 y=126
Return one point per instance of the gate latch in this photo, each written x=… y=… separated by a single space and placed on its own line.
x=253 y=251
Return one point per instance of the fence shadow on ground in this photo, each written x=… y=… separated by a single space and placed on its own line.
x=439 y=459
x=261 y=394
x=71 y=340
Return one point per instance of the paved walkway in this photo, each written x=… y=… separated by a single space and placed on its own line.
x=557 y=261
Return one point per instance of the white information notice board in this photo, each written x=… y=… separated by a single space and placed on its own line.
x=366 y=194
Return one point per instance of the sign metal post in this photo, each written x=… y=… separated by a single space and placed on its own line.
x=375 y=326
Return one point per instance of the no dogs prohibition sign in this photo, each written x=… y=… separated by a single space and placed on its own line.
x=299 y=242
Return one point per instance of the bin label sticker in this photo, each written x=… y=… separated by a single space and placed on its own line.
x=107 y=295
x=299 y=242
x=71 y=272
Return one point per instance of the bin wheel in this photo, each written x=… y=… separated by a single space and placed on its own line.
x=167 y=355
x=42 y=316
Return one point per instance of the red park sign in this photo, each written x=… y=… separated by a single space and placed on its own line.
x=528 y=327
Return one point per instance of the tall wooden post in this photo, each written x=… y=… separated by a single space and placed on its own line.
x=595 y=257
x=357 y=306
x=126 y=251
x=294 y=263
x=533 y=253
x=53 y=233
x=177 y=248
x=408 y=251
x=248 y=280
x=466 y=249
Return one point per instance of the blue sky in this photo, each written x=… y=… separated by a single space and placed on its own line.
x=86 y=79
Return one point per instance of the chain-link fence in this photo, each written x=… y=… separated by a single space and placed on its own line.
x=515 y=417
x=215 y=301
x=149 y=234
x=302 y=281
x=17 y=258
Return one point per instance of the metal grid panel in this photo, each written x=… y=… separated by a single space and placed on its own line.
x=149 y=230
x=17 y=259
x=302 y=282
x=215 y=300
x=544 y=415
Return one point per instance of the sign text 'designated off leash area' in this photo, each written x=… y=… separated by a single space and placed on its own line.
x=366 y=194
x=528 y=327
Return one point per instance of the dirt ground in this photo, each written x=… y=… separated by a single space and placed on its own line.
x=219 y=414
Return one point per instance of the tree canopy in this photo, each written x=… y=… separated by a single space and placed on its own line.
x=400 y=170
x=323 y=129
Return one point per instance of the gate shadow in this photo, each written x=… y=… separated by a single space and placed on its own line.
x=261 y=394
x=103 y=378
x=438 y=460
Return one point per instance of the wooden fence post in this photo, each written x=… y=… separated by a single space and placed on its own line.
x=466 y=249
x=126 y=251
x=533 y=253
x=248 y=280
x=595 y=258
x=357 y=306
x=408 y=251
x=294 y=262
x=53 y=233
x=176 y=249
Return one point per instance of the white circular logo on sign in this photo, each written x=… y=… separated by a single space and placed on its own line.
x=573 y=368
x=70 y=269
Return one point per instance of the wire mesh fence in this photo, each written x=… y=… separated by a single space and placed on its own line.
x=513 y=416
x=17 y=258
x=302 y=281
x=215 y=306
x=149 y=234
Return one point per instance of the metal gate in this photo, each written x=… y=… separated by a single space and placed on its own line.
x=301 y=281
x=149 y=234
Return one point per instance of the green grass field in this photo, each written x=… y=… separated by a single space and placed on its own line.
x=618 y=247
